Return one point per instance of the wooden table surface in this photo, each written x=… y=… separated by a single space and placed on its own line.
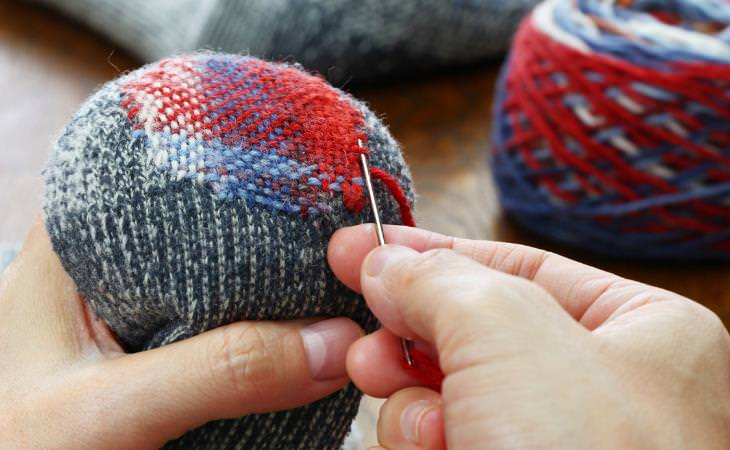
x=49 y=65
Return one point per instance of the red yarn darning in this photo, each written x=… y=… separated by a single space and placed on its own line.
x=247 y=103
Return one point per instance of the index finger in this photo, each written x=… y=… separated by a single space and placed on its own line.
x=576 y=286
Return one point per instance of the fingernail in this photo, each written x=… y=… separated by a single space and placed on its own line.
x=412 y=416
x=383 y=256
x=326 y=344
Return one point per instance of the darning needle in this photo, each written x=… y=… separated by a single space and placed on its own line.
x=405 y=344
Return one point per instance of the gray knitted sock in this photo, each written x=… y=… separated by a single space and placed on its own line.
x=343 y=39
x=202 y=190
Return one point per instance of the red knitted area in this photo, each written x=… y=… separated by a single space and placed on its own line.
x=221 y=108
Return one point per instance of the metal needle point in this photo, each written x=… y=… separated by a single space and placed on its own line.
x=404 y=343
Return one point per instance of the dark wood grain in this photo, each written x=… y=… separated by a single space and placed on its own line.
x=49 y=65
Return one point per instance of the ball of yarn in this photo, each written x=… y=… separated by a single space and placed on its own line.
x=612 y=127
x=202 y=190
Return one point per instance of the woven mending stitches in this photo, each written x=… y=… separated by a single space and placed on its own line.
x=267 y=133
x=612 y=121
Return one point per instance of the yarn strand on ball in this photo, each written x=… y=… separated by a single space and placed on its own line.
x=612 y=129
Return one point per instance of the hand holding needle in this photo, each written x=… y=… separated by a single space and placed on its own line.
x=405 y=344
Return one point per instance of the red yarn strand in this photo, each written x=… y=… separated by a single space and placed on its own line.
x=397 y=193
x=424 y=369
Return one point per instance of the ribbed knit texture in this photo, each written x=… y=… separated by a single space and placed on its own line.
x=343 y=39
x=203 y=190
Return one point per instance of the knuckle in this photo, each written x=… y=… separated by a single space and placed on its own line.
x=705 y=339
x=697 y=324
x=709 y=322
x=524 y=262
x=242 y=360
x=692 y=313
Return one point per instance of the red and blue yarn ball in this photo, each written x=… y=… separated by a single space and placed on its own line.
x=612 y=127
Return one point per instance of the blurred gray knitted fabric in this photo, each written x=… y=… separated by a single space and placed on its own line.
x=342 y=39
x=202 y=190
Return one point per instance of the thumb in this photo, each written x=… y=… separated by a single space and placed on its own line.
x=232 y=371
x=469 y=312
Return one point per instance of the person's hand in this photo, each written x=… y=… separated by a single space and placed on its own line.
x=539 y=352
x=66 y=384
